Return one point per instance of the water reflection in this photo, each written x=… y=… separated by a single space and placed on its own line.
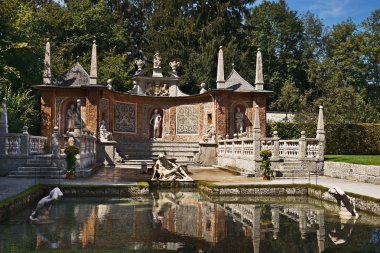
x=187 y=221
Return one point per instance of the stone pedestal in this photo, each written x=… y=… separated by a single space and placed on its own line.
x=106 y=153
x=208 y=153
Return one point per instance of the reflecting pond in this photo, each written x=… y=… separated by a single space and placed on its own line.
x=191 y=222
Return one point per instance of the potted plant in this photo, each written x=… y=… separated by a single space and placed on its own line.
x=71 y=152
x=265 y=164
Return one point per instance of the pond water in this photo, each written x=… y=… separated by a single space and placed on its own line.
x=190 y=222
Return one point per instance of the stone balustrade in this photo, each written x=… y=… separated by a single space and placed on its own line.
x=23 y=144
x=37 y=144
x=303 y=148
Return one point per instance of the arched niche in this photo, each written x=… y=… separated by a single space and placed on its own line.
x=152 y=119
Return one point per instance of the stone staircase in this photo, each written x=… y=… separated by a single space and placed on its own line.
x=138 y=152
x=291 y=169
x=38 y=166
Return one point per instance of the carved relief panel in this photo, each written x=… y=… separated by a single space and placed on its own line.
x=157 y=89
x=125 y=117
x=187 y=119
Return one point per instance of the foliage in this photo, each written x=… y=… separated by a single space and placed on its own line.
x=355 y=159
x=305 y=63
x=71 y=152
x=21 y=110
x=341 y=138
x=265 y=163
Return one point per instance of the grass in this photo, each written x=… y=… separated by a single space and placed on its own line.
x=356 y=159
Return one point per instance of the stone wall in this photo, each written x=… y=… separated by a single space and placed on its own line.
x=356 y=172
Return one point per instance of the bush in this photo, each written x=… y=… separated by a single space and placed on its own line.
x=265 y=163
x=71 y=152
x=341 y=138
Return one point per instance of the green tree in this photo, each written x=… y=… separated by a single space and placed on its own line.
x=289 y=98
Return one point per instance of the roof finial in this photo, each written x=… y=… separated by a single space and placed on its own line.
x=94 y=64
x=220 y=71
x=77 y=58
x=47 y=67
x=259 y=82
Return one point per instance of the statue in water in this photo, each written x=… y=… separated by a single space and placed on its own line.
x=42 y=212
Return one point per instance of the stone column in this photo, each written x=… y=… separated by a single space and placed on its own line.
x=78 y=121
x=259 y=80
x=276 y=148
x=25 y=141
x=302 y=146
x=55 y=142
x=321 y=134
x=220 y=71
x=256 y=142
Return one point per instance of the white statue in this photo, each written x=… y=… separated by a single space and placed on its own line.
x=71 y=118
x=104 y=134
x=155 y=121
x=210 y=135
x=346 y=204
x=239 y=121
x=203 y=88
x=157 y=60
x=165 y=170
x=42 y=211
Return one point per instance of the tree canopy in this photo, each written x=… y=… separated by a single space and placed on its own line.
x=305 y=62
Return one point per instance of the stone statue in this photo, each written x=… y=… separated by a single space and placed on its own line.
x=239 y=121
x=164 y=170
x=157 y=60
x=71 y=118
x=104 y=134
x=203 y=88
x=346 y=204
x=42 y=212
x=210 y=135
x=155 y=121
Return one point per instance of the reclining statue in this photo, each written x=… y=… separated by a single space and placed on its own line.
x=164 y=170
x=42 y=212
x=347 y=205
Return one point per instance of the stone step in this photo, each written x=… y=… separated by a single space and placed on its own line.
x=39 y=161
x=291 y=173
x=155 y=154
x=61 y=176
x=158 y=144
x=35 y=168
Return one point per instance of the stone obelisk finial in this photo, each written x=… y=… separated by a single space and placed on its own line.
x=259 y=82
x=3 y=118
x=220 y=72
x=94 y=65
x=47 y=67
x=321 y=124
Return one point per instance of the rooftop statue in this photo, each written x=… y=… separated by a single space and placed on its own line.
x=42 y=212
x=164 y=170
x=157 y=60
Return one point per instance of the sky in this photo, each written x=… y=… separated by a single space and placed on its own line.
x=335 y=11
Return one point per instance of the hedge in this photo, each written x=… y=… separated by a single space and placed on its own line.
x=359 y=139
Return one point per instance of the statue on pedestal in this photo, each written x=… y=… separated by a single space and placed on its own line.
x=71 y=118
x=42 y=212
x=164 y=170
x=210 y=135
x=239 y=121
x=157 y=60
x=104 y=134
x=155 y=121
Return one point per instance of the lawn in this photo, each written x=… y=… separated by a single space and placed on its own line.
x=357 y=159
